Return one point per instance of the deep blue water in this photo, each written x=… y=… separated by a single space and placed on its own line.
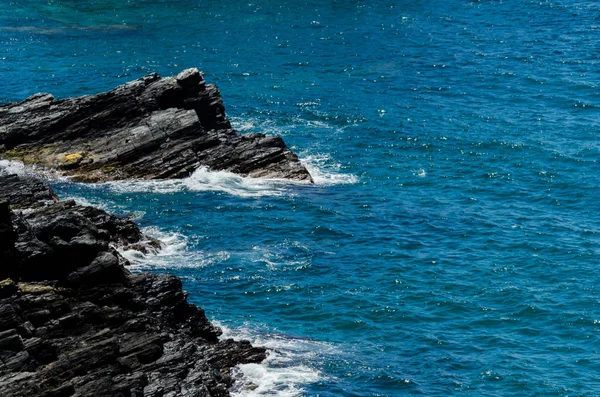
x=451 y=243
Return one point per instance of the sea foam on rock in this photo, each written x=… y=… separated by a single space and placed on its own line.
x=150 y=128
x=75 y=322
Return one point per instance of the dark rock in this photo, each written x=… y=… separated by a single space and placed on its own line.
x=15 y=362
x=104 y=269
x=11 y=341
x=8 y=316
x=58 y=242
x=8 y=288
x=150 y=128
x=8 y=254
x=75 y=322
x=39 y=317
x=65 y=390
x=25 y=192
x=43 y=352
x=56 y=237
x=121 y=231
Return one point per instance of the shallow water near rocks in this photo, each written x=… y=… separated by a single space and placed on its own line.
x=450 y=244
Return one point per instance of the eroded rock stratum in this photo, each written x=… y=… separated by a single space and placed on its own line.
x=150 y=128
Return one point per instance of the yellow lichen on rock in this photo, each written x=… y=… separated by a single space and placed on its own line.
x=6 y=282
x=72 y=158
x=30 y=288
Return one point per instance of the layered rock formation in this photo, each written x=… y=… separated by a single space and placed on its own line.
x=75 y=322
x=150 y=128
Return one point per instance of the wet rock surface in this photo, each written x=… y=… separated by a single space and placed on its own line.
x=150 y=128
x=75 y=322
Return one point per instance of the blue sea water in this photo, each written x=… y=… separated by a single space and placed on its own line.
x=450 y=244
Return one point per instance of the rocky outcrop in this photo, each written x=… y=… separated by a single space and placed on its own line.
x=75 y=322
x=28 y=194
x=150 y=128
x=24 y=193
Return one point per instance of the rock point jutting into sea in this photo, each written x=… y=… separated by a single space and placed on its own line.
x=75 y=322
x=150 y=128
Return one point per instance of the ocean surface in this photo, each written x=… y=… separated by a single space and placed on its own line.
x=450 y=244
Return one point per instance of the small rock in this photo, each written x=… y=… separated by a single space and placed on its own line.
x=104 y=269
x=10 y=340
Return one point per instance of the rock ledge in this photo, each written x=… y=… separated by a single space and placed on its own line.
x=150 y=128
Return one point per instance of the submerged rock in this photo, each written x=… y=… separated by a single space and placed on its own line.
x=150 y=128
x=75 y=322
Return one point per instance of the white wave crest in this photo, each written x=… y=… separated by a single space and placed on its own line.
x=12 y=167
x=19 y=168
x=245 y=124
x=254 y=380
x=284 y=373
x=203 y=180
x=255 y=124
x=325 y=172
x=174 y=253
x=174 y=244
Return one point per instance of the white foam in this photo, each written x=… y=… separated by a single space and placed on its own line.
x=204 y=180
x=91 y=201
x=254 y=380
x=285 y=372
x=174 y=253
x=174 y=248
x=244 y=125
x=12 y=167
x=325 y=172
x=421 y=173
x=285 y=256
x=19 y=168
x=254 y=124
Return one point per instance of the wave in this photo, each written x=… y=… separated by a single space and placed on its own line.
x=12 y=167
x=19 y=168
x=204 y=180
x=323 y=171
x=175 y=253
x=326 y=172
x=174 y=247
x=255 y=124
x=285 y=372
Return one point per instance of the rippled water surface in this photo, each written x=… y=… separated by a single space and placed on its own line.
x=450 y=244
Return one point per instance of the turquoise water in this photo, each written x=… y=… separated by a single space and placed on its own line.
x=450 y=245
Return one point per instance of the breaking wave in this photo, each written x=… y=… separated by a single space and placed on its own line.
x=285 y=372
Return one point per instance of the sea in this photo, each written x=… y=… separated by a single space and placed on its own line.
x=450 y=243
